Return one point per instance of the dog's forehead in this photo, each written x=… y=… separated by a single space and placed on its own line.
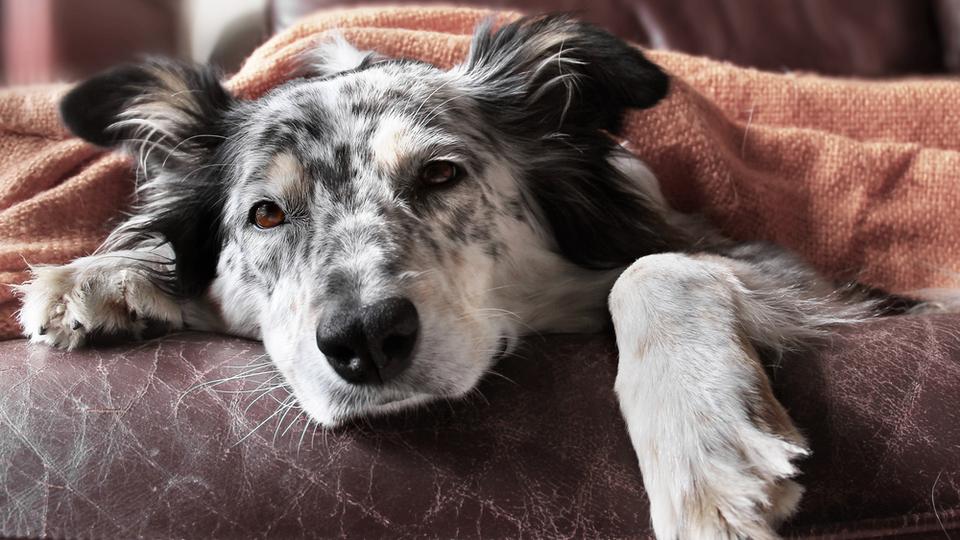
x=356 y=95
x=381 y=117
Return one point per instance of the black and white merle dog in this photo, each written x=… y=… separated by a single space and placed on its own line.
x=390 y=229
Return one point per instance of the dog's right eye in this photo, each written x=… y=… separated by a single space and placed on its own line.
x=267 y=215
x=439 y=172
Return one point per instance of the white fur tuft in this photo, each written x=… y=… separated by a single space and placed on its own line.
x=333 y=54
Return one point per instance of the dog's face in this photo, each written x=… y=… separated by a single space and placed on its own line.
x=378 y=221
x=391 y=228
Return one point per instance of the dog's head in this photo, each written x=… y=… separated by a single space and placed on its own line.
x=390 y=227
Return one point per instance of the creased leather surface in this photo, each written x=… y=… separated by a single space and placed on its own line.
x=106 y=443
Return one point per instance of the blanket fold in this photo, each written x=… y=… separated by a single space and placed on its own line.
x=858 y=177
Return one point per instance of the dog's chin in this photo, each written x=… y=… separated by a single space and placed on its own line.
x=385 y=402
x=385 y=408
x=338 y=416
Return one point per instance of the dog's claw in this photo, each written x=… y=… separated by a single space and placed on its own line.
x=42 y=331
x=77 y=325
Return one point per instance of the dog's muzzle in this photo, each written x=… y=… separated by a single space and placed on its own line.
x=371 y=344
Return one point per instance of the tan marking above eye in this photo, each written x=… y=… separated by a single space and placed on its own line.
x=267 y=215
x=439 y=172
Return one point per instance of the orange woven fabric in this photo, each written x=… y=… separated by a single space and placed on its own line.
x=859 y=177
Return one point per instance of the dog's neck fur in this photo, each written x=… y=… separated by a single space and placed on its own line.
x=553 y=295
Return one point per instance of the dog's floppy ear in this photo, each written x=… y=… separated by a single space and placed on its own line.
x=556 y=88
x=173 y=117
x=554 y=71
x=164 y=100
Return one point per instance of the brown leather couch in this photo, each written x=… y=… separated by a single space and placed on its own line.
x=126 y=440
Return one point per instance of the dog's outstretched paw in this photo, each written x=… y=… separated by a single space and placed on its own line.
x=738 y=485
x=45 y=317
x=63 y=305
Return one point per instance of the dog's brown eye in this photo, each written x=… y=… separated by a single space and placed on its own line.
x=267 y=215
x=439 y=172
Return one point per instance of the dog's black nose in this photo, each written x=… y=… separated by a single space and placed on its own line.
x=372 y=344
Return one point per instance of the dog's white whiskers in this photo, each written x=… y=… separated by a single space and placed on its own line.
x=286 y=410
x=267 y=392
x=293 y=422
x=495 y=373
x=284 y=406
x=476 y=392
x=303 y=433
x=256 y=371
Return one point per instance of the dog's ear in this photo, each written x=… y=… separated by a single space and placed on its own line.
x=555 y=89
x=173 y=117
x=553 y=72
x=165 y=100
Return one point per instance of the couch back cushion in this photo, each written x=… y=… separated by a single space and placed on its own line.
x=869 y=38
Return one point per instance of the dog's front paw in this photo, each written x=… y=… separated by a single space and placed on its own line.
x=62 y=305
x=734 y=483
x=45 y=316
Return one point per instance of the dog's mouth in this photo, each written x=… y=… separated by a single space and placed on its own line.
x=400 y=401
x=391 y=398
x=386 y=405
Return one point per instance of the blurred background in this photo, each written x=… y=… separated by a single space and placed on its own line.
x=49 y=40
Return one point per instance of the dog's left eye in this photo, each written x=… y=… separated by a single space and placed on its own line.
x=439 y=172
x=267 y=215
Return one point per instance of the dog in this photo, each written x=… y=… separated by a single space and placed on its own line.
x=390 y=229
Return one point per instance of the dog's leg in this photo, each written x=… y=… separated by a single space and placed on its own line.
x=111 y=293
x=715 y=447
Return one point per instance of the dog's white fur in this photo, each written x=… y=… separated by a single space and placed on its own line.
x=682 y=382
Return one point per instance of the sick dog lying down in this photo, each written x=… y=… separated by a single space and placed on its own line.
x=390 y=230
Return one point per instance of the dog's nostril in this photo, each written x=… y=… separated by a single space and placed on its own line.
x=340 y=339
x=338 y=346
x=341 y=355
x=398 y=346
x=391 y=327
